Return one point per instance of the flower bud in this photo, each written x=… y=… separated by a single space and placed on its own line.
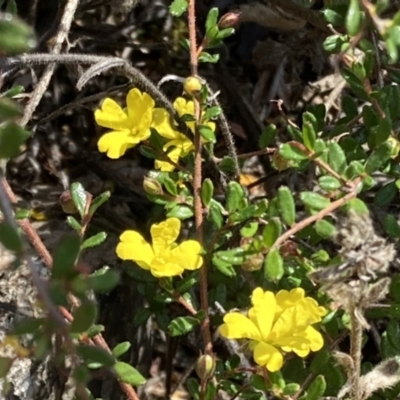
x=205 y=367
x=192 y=85
x=67 y=203
x=152 y=186
x=229 y=20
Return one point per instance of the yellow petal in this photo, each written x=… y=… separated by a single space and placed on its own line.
x=314 y=338
x=138 y=105
x=263 y=311
x=164 y=234
x=238 y=326
x=115 y=144
x=187 y=255
x=166 y=165
x=268 y=356
x=111 y=115
x=287 y=299
x=161 y=268
x=161 y=123
x=132 y=246
x=184 y=107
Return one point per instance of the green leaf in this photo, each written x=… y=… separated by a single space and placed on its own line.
x=84 y=317
x=272 y=231
x=94 y=330
x=215 y=214
x=234 y=256
x=333 y=17
x=386 y=194
x=105 y=282
x=10 y=237
x=334 y=43
x=308 y=132
x=370 y=117
x=227 y=165
x=273 y=266
x=181 y=212
x=79 y=197
x=98 y=201
x=211 y=113
x=320 y=360
x=317 y=387
x=324 y=228
x=234 y=196
x=387 y=350
x=314 y=201
x=26 y=326
x=267 y=136
x=224 y=33
x=383 y=131
x=286 y=205
x=5 y=366
x=94 y=241
x=378 y=157
x=185 y=284
x=393 y=334
x=12 y=136
x=65 y=255
x=355 y=84
x=212 y=18
x=353 y=20
x=292 y=153
x=249 y=230
x=208 y=58
x=356 y=205
x=391 y=226
x=121 y=349
x=207 y=191
x=126 y=373
x=336 y=157
x=290 y=389
x=9 y=109
x=207 y=133
x=73 y=223
x=15 y=35
x=182 y=325
x=329 y=183
x=81 y=374
x=223 y=267
x=96 y=355
x=170 y=185
x=349 y=106
x=178 y=7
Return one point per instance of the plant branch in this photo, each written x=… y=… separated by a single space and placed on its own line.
x=61 y=36
x=313 y=218
x=197 y=180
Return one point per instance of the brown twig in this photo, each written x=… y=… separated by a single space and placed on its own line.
x=313 y=218
x=198 y=207
x=61 y=36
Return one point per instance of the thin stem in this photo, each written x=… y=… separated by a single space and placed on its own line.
x=309 y=220
x=198 y=207
x=192 y=37
x=60 y=38
x=355 y=353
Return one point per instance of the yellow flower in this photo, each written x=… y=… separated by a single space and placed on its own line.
x=128 y=126
x=181 y=145
x=276 y=324
x=163 y=257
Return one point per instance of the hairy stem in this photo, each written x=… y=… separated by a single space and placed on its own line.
x=355 y=353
